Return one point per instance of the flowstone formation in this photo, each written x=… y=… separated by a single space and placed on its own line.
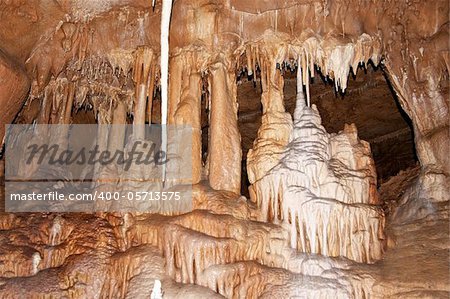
x=315 y=225
x=324 y=188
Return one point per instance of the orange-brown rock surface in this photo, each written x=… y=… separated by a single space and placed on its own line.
x=314 y=225
x=14 y=86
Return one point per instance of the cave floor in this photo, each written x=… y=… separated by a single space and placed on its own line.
x=100 y=255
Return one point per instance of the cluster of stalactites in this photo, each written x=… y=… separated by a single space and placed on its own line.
x=144 y=76
x=100 y=83
x=330 y=55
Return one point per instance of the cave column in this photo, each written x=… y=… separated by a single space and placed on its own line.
x=225 y=152
x=45 y=107
x=276 y=124
x=184 y=108
x=117 y=133
x=174 y=97
x=175 y=87
x=191 y=99
x=272 y=83
x=65 y=112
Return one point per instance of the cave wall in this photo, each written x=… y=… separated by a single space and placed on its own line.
x=411 y=37
x=14 y=86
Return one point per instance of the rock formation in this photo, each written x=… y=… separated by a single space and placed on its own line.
x=324 y=187
x=317 y=223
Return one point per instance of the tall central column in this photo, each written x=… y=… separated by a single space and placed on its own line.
x=276 y=124
x=191 y=101
x=184 y=105
x=272 y=85
x=225 y=152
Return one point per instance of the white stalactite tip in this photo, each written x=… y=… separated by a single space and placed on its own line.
x=156 y=292
x=36 y=260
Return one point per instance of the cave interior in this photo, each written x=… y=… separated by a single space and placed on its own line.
x=318 y=152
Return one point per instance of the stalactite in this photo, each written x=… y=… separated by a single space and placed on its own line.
x=121 y=60
x=55 y=231
x=46 y=107
x=150 y=92
x=300 y=99
x=304 y=68
x=117 y=134
x=165 y=27
x=139 y=112
x=308 y=96
x=144 y=67
x=250 y=62
x=157 y=290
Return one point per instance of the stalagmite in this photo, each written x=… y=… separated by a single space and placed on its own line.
x=323 y=189
x=273 y=135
